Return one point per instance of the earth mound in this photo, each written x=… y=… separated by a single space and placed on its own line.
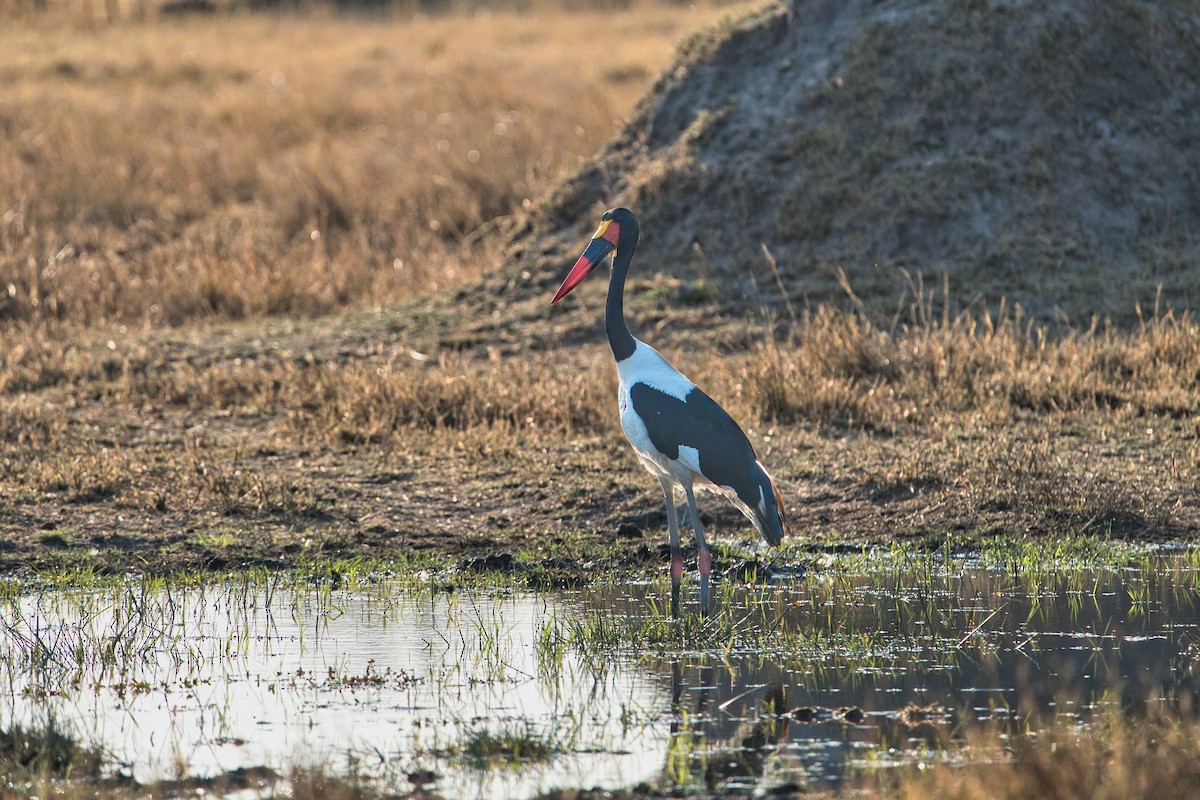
x=1042 y=151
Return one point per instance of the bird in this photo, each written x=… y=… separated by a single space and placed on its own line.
x=680 y=434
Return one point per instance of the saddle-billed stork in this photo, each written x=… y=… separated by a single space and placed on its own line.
x=681 y=436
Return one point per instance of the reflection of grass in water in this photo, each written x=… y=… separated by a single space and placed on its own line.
x=687 y=756
x=829 y=611
x=60 y=640
x=486 y=748
x=833 y=649
x=857 y=613
x=513 y=744
x=44 y=752
x=828 y=626
x=1118 y=759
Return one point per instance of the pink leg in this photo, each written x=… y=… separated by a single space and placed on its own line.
x=676 y=566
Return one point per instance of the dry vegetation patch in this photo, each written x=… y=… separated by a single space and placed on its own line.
x=1121 y=759
x=927 y=430
x=233 y=166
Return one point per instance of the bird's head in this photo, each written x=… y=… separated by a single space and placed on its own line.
x=618 y=231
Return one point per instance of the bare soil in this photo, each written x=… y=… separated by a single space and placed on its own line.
x=1035 y=151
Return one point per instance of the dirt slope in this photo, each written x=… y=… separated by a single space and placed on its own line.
x=1047 y=152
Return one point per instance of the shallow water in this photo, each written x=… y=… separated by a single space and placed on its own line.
x=389 y=681
x=231 y=678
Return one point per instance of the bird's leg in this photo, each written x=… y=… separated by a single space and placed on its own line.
x=703 y=556
x=676 y=554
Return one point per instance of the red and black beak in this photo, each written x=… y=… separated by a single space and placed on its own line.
x=603 y=242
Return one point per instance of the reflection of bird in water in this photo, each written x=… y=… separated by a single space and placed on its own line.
x=759 y=739
x=680 y=434
x=740 y=759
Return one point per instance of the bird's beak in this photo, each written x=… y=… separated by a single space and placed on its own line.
x=603 y=242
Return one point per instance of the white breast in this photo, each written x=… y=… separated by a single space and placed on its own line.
x=648 y=366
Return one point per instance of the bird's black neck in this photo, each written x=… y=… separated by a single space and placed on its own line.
x=619 y=337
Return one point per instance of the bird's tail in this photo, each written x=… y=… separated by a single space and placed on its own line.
x=769 y=514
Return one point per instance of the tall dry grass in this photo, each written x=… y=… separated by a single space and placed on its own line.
x=832 y=370
x=841 y=369
x=231 y=166
x=1119 y=760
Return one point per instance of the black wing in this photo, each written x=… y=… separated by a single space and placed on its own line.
x=726 y=456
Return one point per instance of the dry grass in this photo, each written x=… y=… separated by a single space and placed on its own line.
x=973 y=385
x=1120 y=760
x=844 y=371
x=941 y=428
x=831 y=370
x=233 y=166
